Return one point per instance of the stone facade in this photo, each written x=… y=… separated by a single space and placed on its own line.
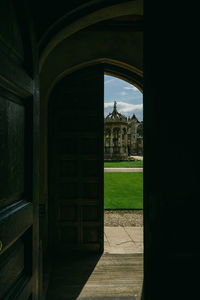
x=123 y=136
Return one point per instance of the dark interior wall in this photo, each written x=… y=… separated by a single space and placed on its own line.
x=171 y=152
x=66 y=13
x=11 y=39
x=72 y=21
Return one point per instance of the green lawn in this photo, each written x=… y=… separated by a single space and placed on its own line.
x=124 y=164
x=123 y=190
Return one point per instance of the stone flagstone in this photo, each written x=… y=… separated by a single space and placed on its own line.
x=123 y=240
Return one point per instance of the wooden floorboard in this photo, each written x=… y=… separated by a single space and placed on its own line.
x=106 y=277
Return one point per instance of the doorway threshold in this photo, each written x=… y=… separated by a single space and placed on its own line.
x=90 y=277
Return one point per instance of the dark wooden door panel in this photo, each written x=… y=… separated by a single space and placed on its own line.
x=76 y=161
x=16 y=269
x=12 y=119
x=13 y=263
x=15 y=220
x=16 y=209
x=17 y=206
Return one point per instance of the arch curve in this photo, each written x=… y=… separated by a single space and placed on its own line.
x=111 y=67
x=62 y=29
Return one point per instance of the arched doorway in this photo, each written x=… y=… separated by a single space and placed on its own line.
x=76 y=207
x=76 y=197
x=64 y=59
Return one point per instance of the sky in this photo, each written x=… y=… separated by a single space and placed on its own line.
x=129 y=99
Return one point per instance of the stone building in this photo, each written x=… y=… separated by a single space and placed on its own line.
x=123 y=136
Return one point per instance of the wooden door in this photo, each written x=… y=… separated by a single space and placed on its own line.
x=76 y=120
x=18 y=203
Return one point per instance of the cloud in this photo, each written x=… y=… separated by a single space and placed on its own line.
x=131 y=88
x=125 y=109
x=123 y=93
x=108 y=81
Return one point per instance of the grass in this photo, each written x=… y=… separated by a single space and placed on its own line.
x=124 y=164
x=123 y=190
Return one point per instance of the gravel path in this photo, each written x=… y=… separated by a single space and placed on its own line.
x=124 y=218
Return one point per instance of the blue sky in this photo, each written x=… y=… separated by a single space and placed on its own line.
x=129 y=99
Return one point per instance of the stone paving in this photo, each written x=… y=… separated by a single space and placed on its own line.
x=123 y=240
x=123 y=231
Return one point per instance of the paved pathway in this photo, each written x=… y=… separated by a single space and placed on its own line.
x=123 y=240
x=137 y=157
x=123 y=169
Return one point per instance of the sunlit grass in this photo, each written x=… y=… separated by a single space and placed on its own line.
x=123 y=190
